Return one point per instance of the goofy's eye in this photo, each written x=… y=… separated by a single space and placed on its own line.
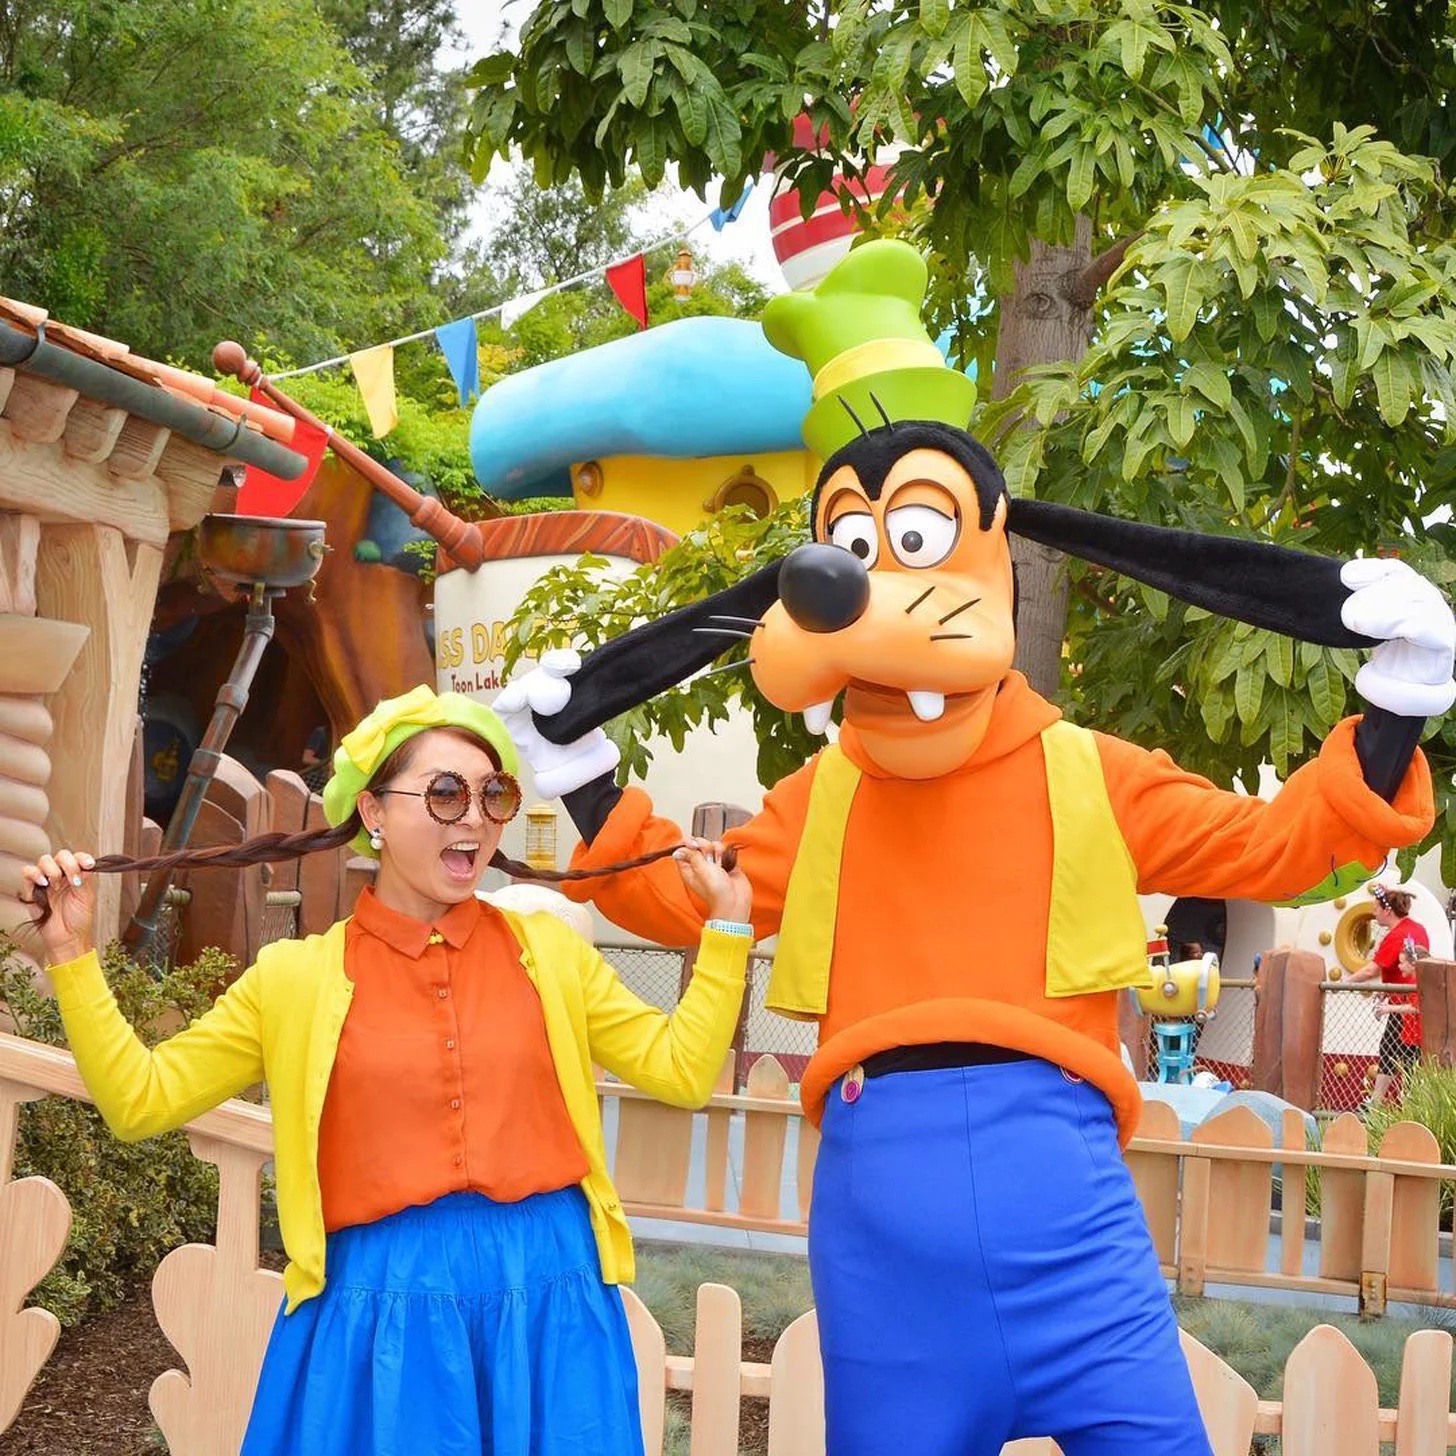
x=920 y=535
x=855 y=531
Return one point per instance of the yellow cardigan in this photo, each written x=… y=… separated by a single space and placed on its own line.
x=281 y=1021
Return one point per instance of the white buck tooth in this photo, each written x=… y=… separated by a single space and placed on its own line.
x=928 y=706
x=816 y=716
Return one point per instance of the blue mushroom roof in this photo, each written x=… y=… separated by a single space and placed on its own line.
x=695 y=387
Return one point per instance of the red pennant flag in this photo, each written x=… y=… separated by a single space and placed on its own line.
x=263 y=494
x=629 y=283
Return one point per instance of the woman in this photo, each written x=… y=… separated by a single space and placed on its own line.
x=1400 y=1042
x=452 y=1232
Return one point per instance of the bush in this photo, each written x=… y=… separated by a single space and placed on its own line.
x=131 y=1203
x=1428 y=1096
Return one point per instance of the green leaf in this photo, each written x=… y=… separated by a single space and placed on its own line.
x=970 y=74
x=1180 y=283
x=1326 y=693
x=1080 y=178
x=934 y=16
x=1182 y=419
x=1268 y=310
x=635 y=68
x=494 y=70
x=692 y=111
x=1279 y=654
x=651 y=149
x=1210 y=381
x=617 y=12
x=1135 y=38
x=1392 y=376
x=725 y=136
x=580 y=43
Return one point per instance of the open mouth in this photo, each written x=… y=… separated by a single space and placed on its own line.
x=459 y=859
x=873 y=706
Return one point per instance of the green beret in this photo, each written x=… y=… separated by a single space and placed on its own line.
x=393 y=721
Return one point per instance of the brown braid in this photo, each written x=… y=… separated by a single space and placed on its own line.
x=498 y=861
x=271 y=848
x=262 y=849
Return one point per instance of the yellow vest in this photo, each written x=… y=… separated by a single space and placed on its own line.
x=1096 y=939
x=281 y=1020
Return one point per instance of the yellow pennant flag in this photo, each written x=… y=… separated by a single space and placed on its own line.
x=374 y=374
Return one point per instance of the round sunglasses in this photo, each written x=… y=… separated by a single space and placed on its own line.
x=447 y=797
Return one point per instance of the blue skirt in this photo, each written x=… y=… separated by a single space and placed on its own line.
x=463 y=1328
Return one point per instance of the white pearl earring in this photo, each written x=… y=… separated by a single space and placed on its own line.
x=376 y=839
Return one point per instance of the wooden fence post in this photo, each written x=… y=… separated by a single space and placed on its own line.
x=1436 y=992
x=1289 y=1026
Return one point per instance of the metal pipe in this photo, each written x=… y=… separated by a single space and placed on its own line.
x=229 y=437
x=232 y=698
x=460 y=538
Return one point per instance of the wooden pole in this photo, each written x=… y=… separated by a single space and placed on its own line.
x=460 y=538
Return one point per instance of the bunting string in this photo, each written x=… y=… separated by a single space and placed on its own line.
x=512 y=309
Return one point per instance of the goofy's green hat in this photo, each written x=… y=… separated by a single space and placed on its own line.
x=860 y=334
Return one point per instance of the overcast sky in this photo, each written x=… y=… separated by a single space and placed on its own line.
x=488 y=24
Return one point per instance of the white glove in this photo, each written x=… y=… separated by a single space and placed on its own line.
x=559 y=767
x=1410 y=672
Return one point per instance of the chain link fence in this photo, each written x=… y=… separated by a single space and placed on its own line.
x=1350 y=1047
x=1224 y=1045
x=654 y=973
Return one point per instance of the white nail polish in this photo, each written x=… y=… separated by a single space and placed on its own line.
x=76 y=881
x=44 y=883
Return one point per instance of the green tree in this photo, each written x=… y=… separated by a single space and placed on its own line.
x=170 y=174
x=1203 y=287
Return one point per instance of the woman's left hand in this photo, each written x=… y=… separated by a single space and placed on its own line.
x=728 y=894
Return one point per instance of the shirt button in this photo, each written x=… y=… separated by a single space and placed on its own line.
x=450 y=1045
x=436 y=938
x=442 y=993
x=455 y=1104
x=458 y=1160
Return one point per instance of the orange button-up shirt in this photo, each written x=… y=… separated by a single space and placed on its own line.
x=443 y=1078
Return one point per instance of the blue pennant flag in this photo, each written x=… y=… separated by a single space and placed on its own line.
x=720 y=219
x=457 y=343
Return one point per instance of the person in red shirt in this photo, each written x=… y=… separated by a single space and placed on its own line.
x=1400 y=1042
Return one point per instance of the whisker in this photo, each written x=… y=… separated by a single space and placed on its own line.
x=918 y=600
x=729 y=667
x=952 y=636
x=725 y=632
x=964 y=606
x=742 y=621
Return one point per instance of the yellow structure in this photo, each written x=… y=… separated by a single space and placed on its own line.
x=1187 y=989
x=682 y=493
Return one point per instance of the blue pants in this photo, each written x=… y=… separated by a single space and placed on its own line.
x=462 y=1328
x=983 y=1272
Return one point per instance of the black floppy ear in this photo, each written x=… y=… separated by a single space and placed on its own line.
x=1293 y=592
x=632 y=669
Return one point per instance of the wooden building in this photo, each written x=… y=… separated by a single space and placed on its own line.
x=104 y=456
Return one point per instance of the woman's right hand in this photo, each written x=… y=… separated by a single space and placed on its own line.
x=71 y=892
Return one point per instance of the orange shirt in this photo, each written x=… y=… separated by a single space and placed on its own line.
x=443 y=1080
x=945 y=883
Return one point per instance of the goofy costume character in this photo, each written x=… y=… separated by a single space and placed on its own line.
x=954 y=887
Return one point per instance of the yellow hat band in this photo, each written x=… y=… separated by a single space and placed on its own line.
x=878 y=356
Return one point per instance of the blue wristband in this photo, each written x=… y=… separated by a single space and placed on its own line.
x=730 y=927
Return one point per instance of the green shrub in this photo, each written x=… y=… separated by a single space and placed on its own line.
x=130 y=1203
x=1428 y=1096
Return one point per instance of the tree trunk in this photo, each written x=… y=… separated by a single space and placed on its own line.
x=1048 y=318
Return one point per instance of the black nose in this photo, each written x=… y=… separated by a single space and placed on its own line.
x=824 y=588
